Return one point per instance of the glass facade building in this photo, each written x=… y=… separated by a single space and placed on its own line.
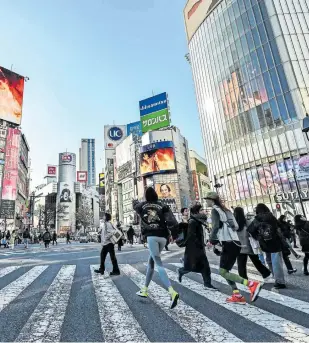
x=250 y=63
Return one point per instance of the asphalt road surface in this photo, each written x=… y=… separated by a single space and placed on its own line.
x=54 y=296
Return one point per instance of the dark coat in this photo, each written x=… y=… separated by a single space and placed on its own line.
x=302 y=230
x=276 y=243
x=195 y=255
x=130 y=233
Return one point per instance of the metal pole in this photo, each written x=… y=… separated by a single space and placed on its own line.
x=298 y=193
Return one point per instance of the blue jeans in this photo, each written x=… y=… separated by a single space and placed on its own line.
x=275 y=263
x=155 y=246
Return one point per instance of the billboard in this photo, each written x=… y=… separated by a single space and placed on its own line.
x=135 y=128
x=102 y=180
x=51 y=170
x=114 y=135
x=66 y=199
x=154 y=113
x=82 y=176
x=157 y=158
x=195 y=12
x=11 y=96
x=10 y=175
x=66 y=192
x=166 y=190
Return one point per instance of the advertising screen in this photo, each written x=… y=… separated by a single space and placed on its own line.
x=166 y=190
x=82 y=176
x=157 y=158
x=10 y=175
x=101 y=180
x=51 y=170
x=11 y=96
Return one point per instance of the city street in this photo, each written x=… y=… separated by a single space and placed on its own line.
x=53 y=295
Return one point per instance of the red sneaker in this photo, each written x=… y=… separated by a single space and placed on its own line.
x=254 y=288
x=236 y=299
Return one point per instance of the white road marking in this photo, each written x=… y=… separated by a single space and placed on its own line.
x=280 y=326
x=198 y=326
x=13 y=290
x=117 y=321
x=45 y=323
x=7 y=270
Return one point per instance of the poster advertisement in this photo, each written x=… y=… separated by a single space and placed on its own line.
x=157 y=158
x=66 y=200
x=10 y=174
x=166 y=190
x=11 y=96
x=102 y=180
x=66 y=192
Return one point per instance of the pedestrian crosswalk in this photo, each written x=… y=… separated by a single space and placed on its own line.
x=36 y=302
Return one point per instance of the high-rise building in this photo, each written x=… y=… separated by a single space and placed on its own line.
x=250 y=64
x=87 y=160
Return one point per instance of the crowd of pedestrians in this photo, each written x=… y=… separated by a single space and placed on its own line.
x=231 y=234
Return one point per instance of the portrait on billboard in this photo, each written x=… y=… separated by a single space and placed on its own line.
x=157 y=158
x=66 y=194
x=166 y=190
x=11 y=96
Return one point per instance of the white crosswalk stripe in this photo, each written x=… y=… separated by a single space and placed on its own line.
x=115 y=326
x=117 y=319
x=46 y=321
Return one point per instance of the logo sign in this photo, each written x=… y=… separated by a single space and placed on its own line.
x=195 y=13
x=82 y=176
x=102 y=180
x=51 y=170
x=115 y=133
x=155 y=121
x=153 y=104
x=134 y=128
x=66 y=158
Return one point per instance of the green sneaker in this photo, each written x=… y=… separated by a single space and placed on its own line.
x=174 y=298
x=142 y=293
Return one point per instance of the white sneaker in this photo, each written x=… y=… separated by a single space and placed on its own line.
x=269 y=279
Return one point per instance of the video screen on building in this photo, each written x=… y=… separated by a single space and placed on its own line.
x=11 y=96
x=166 y=190
x=157 y=158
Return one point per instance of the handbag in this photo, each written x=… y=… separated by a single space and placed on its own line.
x=116 y=235
x=180 y=240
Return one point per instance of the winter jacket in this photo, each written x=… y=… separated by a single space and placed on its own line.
x=303 y=234
x=224 y=226
x=130 y=233
x=195 y=256
x=26 y=234
x=286 y=229
x=156 y=219
x=265 y=228
x=243 y=236
x=106 y=233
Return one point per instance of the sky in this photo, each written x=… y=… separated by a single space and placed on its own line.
x=89 y=63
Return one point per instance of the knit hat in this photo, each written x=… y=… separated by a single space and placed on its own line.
x=212 y=196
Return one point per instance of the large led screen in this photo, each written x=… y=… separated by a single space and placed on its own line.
x=157 y=158
x=11 y=96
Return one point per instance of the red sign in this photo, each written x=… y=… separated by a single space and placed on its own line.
x=66 y=158
x=51 y=170
x=195 y=185
x=82 y=176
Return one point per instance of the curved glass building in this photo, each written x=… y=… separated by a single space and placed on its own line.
x=250 y=63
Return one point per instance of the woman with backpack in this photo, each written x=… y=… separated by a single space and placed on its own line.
x=195 y=259
x=265 y=228
x=224 y=230
x=302 y=229
x=247 y=250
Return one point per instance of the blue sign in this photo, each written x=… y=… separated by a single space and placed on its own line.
x=115 y=133
x=153 y=104
x=135 y=128
x=157 y=146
